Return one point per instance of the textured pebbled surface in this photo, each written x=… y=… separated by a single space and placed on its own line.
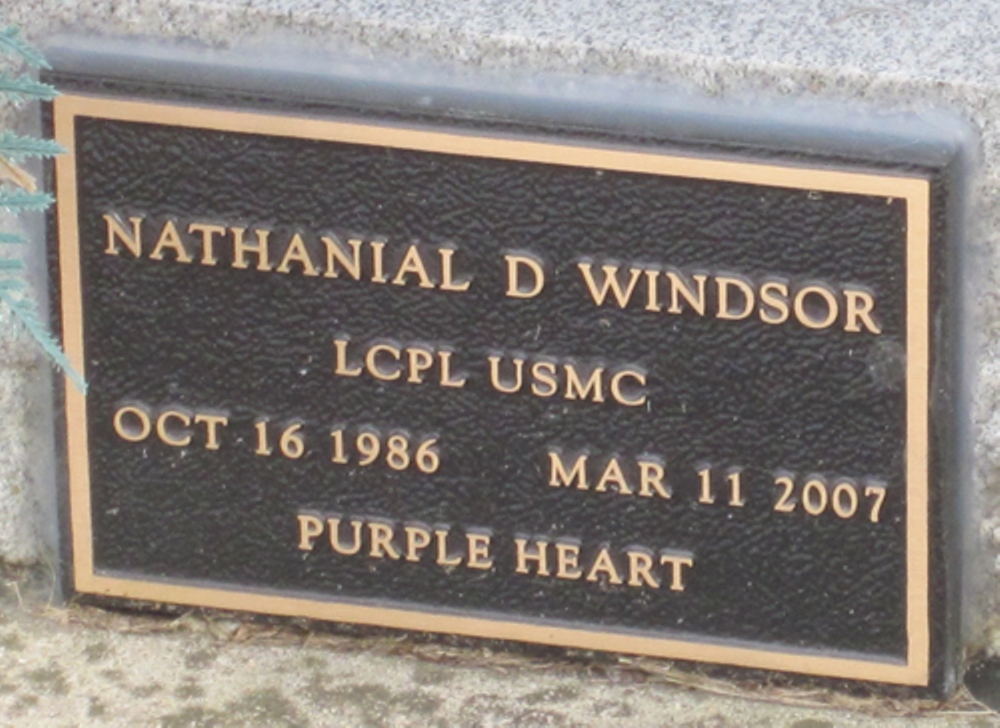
x=721 y=393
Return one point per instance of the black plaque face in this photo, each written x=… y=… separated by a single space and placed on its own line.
x=540 y=388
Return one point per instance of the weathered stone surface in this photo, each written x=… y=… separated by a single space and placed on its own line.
x=83 y=667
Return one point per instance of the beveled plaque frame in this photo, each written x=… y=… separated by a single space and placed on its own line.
x=913 y=188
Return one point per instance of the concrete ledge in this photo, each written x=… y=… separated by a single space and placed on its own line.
x=86 y=667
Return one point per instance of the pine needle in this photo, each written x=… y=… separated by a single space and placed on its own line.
x=24 y=310
x=13 y=44
x=14 y=284
x=13 y=148
x=23 y=201
x=22 y=88
x=16 y=147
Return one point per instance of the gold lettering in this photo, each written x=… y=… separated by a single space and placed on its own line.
x=724 y=283
x=604 y=565
x=298 y=253
x=417 y=539
x=653 y=290
x=610 y=283
x=378 y=257
x=130 y=434
x=161 y=428
x=447 y=378
x=544 y=382
x=371 y=362
x=679 y=288
x=340 y=366
x=412 y=264
x=241 y=249
x=575 y=389
x=515 y=263
x=677 y=562
x=208 y=233
x=380 y=535
x=640 y=564
x=116 y=231
x=859 y=307
x=333 y=524
x=479 y=551
x=443 y=559
x=419 y=360
x=335 y=254
x=774 y=296
x=651 y=478
x=539 y=556
x=170 y=238
x=613 y=474
x=558 y=476
x=447 y=277
x=568 y=560
x=804 y=316
x=495 y=375
x=211 y=423
x=310 y=528
x=616 y=388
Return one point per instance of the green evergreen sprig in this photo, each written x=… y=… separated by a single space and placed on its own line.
x=27 y=313
x=16 y=200
x=12 y=44
x=16 y=147
x=24 y=88
x=18 y=194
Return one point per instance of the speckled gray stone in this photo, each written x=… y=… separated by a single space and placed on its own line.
x=80 y=667
x=923 y=56
x=20 y=520
x=28 y=530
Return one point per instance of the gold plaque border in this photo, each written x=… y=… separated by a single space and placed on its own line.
x=914 y=189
